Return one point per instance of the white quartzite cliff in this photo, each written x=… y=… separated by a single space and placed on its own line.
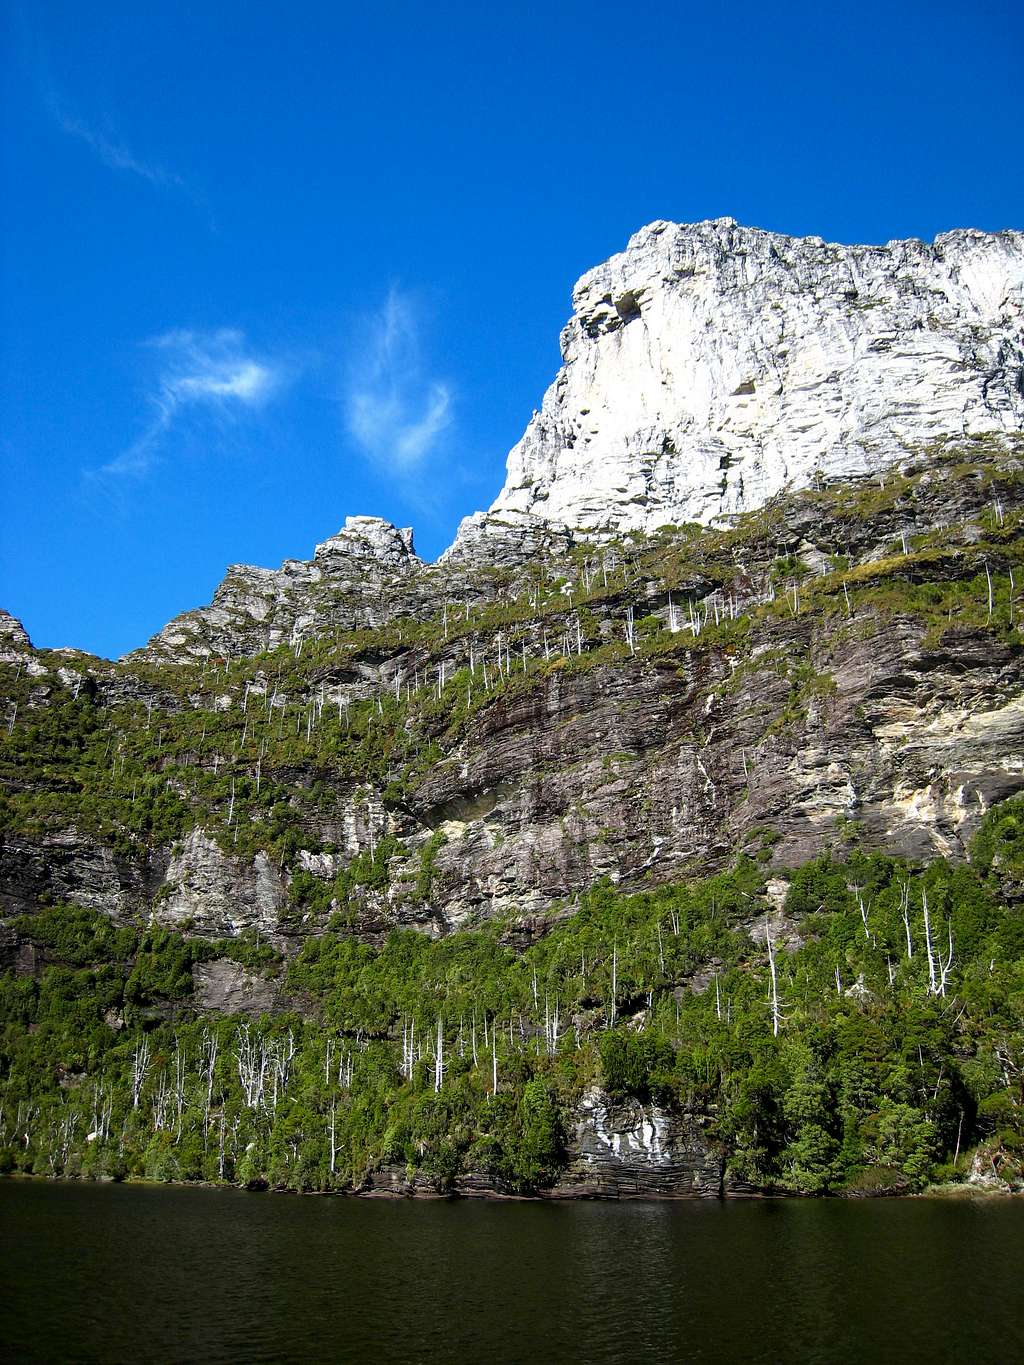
x=706 y=368
x=710 y=365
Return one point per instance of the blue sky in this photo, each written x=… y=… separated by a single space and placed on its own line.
x=266 y=266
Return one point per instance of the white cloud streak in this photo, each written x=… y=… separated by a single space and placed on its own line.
x=210 y=371
x=113 y=153
x=100 y=137
x=393 y=410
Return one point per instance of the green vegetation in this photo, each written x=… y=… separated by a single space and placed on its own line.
x=881 y=1054
x=251 y=749
x=871 y=1072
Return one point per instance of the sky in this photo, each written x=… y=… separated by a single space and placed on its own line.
x=268 y=266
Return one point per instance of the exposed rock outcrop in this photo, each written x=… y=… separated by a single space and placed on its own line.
x=995 y=1170
x=706 y=368
x=215 y=895
x=616 y=1149
x=631 y=1150
x=67 y=865
x=343 y=587
x=226 y=987
x=12 y=632
x=872 y=699
x=710 y=365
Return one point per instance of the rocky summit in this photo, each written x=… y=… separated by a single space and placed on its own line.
x=554 y=866
x=709 y=366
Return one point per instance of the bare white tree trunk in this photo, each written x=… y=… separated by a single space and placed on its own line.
x=928 y=942
x=207 y=1068
x=776 y=1011
x=159 y=1101
x=179 y=1085
x=140 y=1066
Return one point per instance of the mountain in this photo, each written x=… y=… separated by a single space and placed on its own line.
x=709 y=366
x=553 y=866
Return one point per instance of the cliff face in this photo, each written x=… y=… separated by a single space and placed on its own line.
x=843 y=665
x=12 y=633
x=585 y=688
x=627 y=1149
x=709 y=366
x=567 y=704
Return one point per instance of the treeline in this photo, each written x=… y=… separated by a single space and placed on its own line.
x=868 y=1032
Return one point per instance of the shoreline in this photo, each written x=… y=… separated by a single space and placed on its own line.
x=955 y=1192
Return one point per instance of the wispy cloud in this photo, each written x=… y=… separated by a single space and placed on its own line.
x=215 y=372
x=100 y=136
x=112 y=151
x=394 y=410
x=99 y=131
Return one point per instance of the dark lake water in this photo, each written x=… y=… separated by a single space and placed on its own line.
x=113 y=1273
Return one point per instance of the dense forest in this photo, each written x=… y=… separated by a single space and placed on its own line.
x=865 y=1033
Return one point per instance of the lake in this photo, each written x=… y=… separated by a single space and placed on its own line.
x=133 y=1273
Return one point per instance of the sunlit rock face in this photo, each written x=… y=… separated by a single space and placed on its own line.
x=256 y=608
x=709 y=366
x=13 y=634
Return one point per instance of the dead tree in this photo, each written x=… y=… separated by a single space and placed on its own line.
x=439 y=1056
x=207 y=1068
x=140 y=1067
x=774 y=995
x=932 y=990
